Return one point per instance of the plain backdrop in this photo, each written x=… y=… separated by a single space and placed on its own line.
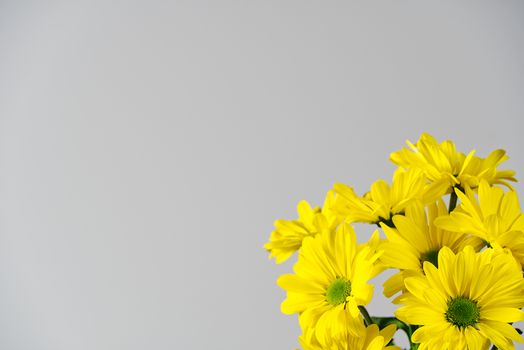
x=146 y=147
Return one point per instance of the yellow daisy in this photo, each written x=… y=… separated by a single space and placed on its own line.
x=382 y=201
x=369 y=338
x=447 y=168
x=416 y=239
x=330 y=283
x=494 y=217
x=288 y=235
x=465 y=303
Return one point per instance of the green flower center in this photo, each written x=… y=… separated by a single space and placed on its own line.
x=462 y=312
x=431 y=256
x=338 y=291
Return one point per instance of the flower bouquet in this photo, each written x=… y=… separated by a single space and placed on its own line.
x=451 y=232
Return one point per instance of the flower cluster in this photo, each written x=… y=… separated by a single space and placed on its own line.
x=451 y=227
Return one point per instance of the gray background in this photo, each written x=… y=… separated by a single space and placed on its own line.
x=147 y=147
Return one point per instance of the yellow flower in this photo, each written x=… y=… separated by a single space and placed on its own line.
x=416 y=239
x=288 y=235
x=330 y=282
x=495 y=217
x=369 y=338
x=382 y=201
x=447 y=168
x=468 y=301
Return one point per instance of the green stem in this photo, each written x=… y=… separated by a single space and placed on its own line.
x=452 y=200
x=408 y=329
x=367 y=319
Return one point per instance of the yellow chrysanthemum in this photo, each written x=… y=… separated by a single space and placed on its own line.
x=447 y=168
x=382 y=201
x=465 y=303
x=288 y=235
x=416 y=239
x=330 y=282
x=494 y=217
x=369 y=338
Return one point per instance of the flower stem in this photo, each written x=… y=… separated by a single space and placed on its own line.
x=452 y=200
x=367 y=319
x=408 y=329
